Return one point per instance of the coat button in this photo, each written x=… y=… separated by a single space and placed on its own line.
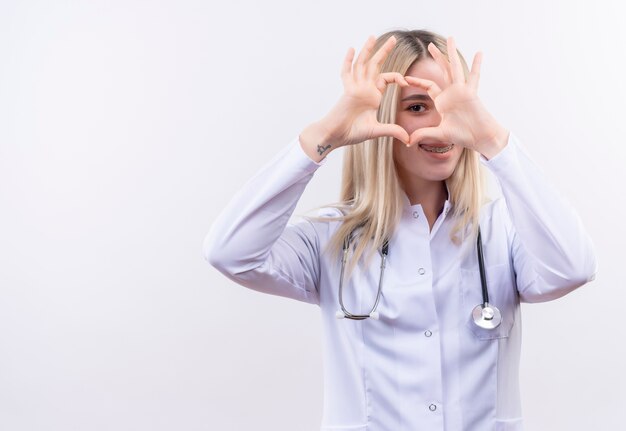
x=421 y=271
x=432 y=407
x=428 y=333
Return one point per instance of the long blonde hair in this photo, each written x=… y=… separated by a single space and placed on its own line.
x=372 y=198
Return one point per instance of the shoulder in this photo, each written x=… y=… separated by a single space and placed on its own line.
x=494 y=214
x=321 y=223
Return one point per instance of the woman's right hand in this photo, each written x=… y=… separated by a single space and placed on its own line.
x=354 y=118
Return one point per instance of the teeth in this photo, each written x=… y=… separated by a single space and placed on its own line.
x=437 y=149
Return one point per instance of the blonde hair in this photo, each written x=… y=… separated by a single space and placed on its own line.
x=372 y=198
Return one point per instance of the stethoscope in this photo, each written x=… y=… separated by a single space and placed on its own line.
x=484 y=315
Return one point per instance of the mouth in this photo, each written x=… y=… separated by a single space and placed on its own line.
x=438 y=148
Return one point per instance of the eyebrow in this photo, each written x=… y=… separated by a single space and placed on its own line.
x=424 y=97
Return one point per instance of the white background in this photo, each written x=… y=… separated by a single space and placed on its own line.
x=125 y=126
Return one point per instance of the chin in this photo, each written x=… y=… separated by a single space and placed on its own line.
x=442 y=177
x=435 y=173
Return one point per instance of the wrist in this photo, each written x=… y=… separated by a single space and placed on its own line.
x=496 y=142
x=316 y=141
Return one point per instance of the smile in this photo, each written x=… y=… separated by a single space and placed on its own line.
x=437 y=148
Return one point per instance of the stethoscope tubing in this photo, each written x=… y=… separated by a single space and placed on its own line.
x=484 y=315
x=383 y=262
x=481 y=268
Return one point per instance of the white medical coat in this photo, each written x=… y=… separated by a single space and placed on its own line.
x=424 y=365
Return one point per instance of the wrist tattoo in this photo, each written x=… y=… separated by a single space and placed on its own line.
x=321 y=150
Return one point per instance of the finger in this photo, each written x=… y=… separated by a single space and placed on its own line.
x=346 y=68
x=431 y=87
x=393 y=130
x=365 y=51
x=431 y=133
x=474 y=75
x=359 y=67
x=455 y=62
x=441 y=60
x=390 y=78
x=379 y=56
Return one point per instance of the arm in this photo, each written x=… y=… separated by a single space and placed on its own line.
x=250 y=241
x=551 y=252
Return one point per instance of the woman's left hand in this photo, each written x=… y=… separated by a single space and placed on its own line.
x=464 y=119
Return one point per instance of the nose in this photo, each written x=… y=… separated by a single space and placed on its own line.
x=434 y=119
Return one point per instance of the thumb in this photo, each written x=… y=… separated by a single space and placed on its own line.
x=432 y=133
x=393 y=130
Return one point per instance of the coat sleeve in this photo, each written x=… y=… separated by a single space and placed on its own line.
x=251 y=242
x=551 y=251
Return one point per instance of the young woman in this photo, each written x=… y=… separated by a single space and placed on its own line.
x=418 y=277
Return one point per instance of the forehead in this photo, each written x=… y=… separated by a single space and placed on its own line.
x=426 y=68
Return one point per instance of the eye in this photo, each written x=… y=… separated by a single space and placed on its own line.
x=417 y=108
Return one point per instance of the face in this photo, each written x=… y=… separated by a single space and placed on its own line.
x=430 y=161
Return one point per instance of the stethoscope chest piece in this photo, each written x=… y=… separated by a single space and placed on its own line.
x=486 y=316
